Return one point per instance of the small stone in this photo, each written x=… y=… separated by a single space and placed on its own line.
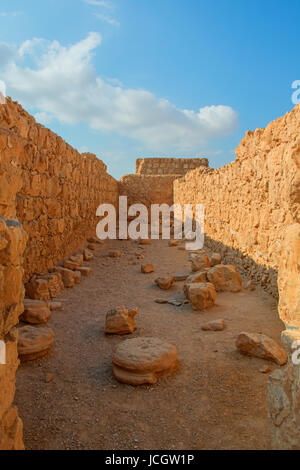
x=161 y=301
x=145 y=241
x=143 y=360
x=93 y=246
x=49 y=378
x=56 y=306
x=181 y=277
x=173 y=243
x=261 y=346
x=120 y=321
x=87 y=254
x=77 y=276
x=165 y=283
x=85 y=271
x=147 y=268
x=175 y=302
x=216 y=325
x=114 y=254
x=265 y=369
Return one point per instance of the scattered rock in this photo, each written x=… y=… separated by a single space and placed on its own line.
x=215 y=259
x=77 y=276
x=173 y=243
x=78 y=259
x=49 y=378
x=38 y=289
x=199 y=261
x=67 y=276
x=95 y=240
x=146 y=241
x=143 y=360
x=35 y=312
x=71 y=265
x=225 y=278
x=181 y=277
x=216 y=325
x=161 y=301
x=114 y=254
x=261 y=346
x=87 y=254
x=85 y=271
x=202 y=295
x=56 y=306
x=34 y=342
x=165 y=283
x=265 y=369
x=147 y=268
x=120 y=321
x=175 y=302
x=93 y=246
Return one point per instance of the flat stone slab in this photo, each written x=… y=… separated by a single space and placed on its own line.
x=34 y=342
x=143 y=360
x=216 y=325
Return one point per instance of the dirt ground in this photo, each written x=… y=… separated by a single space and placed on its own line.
x=216 y=400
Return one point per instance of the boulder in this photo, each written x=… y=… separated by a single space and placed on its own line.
x=215 y=259
x=200 y=276
x=165 y=283
x=55 y=284
x=121 y=321
x=34 y=342
x=143 y=360
x=225 y=278
x=147 y=268
x=202 y=295
x=35 y=312
x=199 y=261
x=259 y=345
x=216 y=325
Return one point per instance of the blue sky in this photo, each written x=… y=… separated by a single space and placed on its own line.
x=131 y=78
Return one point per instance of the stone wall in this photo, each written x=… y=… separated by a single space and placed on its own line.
x=168 y=166
x=60 y=191
x=250 y=202
x=147 y=190
x=12 y=244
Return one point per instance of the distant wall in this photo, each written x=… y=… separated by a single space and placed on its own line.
x=60 y=191
x=168 y=166
x=250 y=202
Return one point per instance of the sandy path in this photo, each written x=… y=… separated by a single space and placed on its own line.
x=215 y=401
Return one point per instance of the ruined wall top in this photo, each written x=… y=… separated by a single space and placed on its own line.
x=168 y=166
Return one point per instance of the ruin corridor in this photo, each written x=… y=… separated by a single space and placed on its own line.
x=247 y=285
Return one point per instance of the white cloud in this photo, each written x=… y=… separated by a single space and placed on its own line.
x=61 y=82
x=107 y=19
x=100 y=3
x=11 y=14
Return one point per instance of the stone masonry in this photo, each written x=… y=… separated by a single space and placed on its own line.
x=168 y=166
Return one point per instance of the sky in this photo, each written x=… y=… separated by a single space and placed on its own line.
x=126 y=79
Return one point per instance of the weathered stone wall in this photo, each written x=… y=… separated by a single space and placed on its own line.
x=250 y=202
x=168 y=166
x=60 y=192
x=147 y=190
x=12 y=243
